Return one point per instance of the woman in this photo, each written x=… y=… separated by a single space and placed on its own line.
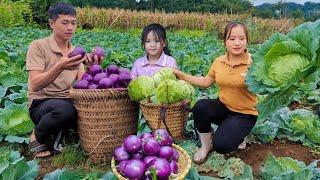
x=234 y=111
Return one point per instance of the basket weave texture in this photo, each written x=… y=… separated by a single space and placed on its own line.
x=184 y=164
x=174 y=115
x=105 y=118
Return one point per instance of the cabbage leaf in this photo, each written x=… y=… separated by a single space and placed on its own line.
x=15 y=121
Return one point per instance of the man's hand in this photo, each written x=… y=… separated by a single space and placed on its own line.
x=90 y=61
x=71 y=63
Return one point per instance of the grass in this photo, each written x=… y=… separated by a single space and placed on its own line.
x=72 y=155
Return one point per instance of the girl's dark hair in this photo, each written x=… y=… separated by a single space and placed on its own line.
x=159 y=31
x=230 y=26
x=61 y=8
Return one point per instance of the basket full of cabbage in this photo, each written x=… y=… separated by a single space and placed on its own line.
x=164 y=100
x=105 y=111
x=150 y=156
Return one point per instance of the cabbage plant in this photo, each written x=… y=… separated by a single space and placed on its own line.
x=298 y=125
x=282 y=64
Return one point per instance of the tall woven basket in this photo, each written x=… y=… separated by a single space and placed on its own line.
x=105 y=118
x=171 y=117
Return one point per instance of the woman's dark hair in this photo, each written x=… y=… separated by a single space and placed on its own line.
x=230 y=26
x=61 y=8
x=159 y=31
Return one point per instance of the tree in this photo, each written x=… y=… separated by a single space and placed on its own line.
x=297 y=13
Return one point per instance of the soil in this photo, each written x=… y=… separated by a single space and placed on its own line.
x=253 y=155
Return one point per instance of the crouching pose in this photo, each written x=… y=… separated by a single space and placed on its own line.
x=234 y=111
x=50 y=76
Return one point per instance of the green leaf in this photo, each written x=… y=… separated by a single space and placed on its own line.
x=15 y=121
x=233 y=167
x=266 y=131
x=247 y=174
x=306 y=35
x=281 y=167
x=9 y=79
x=33 y=171
x=54 y=175
x=3 y=91
x=17 y=139
x=285 y=48
x=193 y=174
x=276 y=101
x=15 y=96
x=142 y=126
x=154 y=174
x=15 y=167
x=109 y=176
x=4 y=159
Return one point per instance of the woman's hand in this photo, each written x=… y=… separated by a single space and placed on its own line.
x=177 y=72
x=200 y=81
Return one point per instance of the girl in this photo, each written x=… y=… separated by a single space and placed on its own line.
x=157 y=54
x=234 y=111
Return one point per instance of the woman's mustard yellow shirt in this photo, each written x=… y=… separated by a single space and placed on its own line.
x=231 y=82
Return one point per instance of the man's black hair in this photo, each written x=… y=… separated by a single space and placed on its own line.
x=62 y=9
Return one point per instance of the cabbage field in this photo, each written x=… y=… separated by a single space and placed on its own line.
x=285 y=74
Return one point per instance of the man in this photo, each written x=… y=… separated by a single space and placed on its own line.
x=51 y=74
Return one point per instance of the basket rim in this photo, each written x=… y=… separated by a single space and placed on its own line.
x=98 y=93
x=98 y=90
x=145 y=103
x=180 y=176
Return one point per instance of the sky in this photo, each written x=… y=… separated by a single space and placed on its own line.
x=259 y=2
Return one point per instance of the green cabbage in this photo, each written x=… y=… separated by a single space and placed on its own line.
x=301 y=124
x=282 y=65
x=313 y=134
x=163 y=74
x=292 y=62
x=297 y=125
x=169 y=91
x=154 y=99
x=187 y=89
x=141 y=88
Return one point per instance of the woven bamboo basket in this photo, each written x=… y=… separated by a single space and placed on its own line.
x=184 y=165
x=105 y=118
x=170 y=117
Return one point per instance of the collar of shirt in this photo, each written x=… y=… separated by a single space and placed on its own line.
x=161 y=61
x=54 y=45
x=245 y=59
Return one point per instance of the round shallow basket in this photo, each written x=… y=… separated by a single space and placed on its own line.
x=171 y=117
x=105 y=118
x=184 y=165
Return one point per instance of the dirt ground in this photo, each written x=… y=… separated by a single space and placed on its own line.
x=253 y=155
